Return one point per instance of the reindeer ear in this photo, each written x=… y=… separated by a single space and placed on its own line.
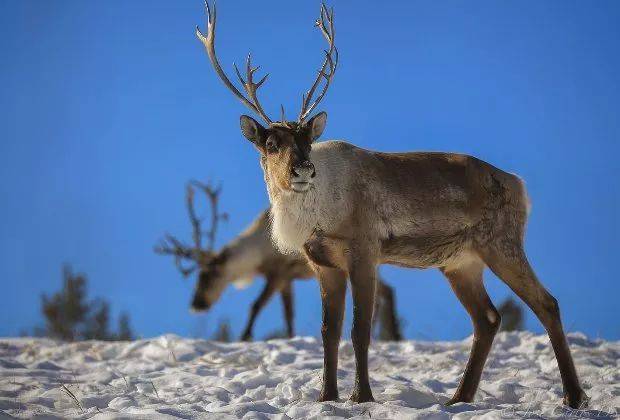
x=251 y=129
x=316 y=125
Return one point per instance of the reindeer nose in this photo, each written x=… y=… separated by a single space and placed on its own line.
x=304 y=168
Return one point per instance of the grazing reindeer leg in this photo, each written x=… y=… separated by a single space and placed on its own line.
x=362 y=273
x=287 y=302
x=509 y=262
x=467 y=283
x=333 y=283
x=272 y=285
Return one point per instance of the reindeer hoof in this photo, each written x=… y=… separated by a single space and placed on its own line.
x=457 y=399
x=328 y=396
x=578 y=401
x=362 y=396
x=246 y=337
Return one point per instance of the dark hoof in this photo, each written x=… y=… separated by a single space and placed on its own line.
x=362 y=397
x=578 y=401
x=246 y=337
x=457 y=399
x=328 y=396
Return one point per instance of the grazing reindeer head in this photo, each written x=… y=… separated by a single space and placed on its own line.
x=205 y=260
x=284 y=145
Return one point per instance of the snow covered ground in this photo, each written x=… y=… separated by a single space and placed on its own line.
x=169 y=376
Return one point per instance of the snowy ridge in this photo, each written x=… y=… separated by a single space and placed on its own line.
x=169 y=377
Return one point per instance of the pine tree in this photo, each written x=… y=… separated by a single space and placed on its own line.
x=97 y=325
x=222 y=333
x=512 y=315
x=69 y=316
x=124 y=328
x=66 y=310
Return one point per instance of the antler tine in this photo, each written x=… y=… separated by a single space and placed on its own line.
x=331 y=62
x=194 y=220
x=321 y=24
x=172 y=246
x=196 y=254
x=213 y=197
x=328 y=79
x=209 y=42
x=251 y=87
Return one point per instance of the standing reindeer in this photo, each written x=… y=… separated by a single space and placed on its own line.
x=347 y=210
x=250 y=254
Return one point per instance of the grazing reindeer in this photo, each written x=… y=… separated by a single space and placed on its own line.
x=250 y=254
x=348 y=209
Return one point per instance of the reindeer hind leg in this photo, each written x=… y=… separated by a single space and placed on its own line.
x=508 y=261
x=466 y=282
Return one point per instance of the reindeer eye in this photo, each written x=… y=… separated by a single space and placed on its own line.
x=271 y=145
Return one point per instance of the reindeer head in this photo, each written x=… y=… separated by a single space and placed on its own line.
x=212 y=281
x=284 y=145
x=285 y=150
x=201 y=258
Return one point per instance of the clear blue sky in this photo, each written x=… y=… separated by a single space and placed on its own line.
x=109 y=107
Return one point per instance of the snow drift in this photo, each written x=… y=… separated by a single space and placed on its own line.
x=170 y=377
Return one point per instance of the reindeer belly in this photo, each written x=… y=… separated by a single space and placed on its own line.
x=427 y=228
x=424 y=251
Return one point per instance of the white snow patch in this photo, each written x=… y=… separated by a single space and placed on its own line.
x=173 y=377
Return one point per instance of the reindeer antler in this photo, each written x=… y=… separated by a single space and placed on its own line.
x=325 y=23
x=249 y=86
x=195 y=253
x=331 y=61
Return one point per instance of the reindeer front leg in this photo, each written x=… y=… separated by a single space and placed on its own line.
x=362 y=274
x=327 y=260
x=333 y=284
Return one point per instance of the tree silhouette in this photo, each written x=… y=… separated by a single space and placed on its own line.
x=97 y=323
x=124 y=328
x=66 y=311
x=512 y=315
x=69 y=316
x=387 y=325
x=223 y=332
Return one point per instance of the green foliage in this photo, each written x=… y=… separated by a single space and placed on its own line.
x=69 y=316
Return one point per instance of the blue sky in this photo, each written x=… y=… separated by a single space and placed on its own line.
x=108 y=108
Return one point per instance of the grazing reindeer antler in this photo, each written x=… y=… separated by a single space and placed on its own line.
x=331 y=61
x=198 y=255
x=249 y=86
x=181 y=252
x=212 y=194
